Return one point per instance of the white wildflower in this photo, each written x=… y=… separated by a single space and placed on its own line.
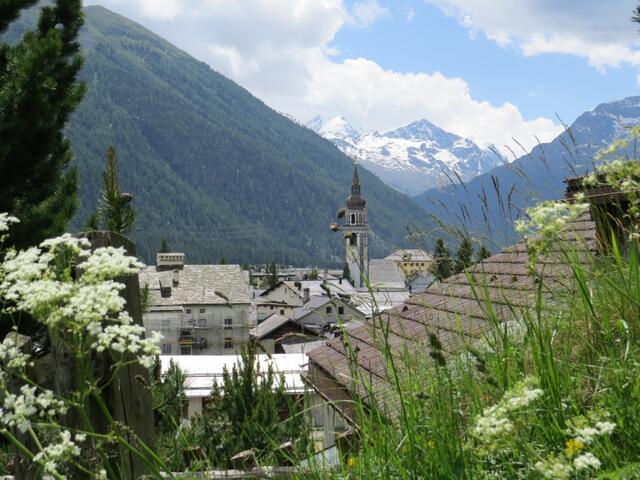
x=107 y=263
x=129 y=338
x=586 y=461
x=6 y=220
x=493 y=424
x=549 y=217
x=75 y=245
x=586 y=429
x=53 y=454
x=554 y=469
x=12 y=357
x=18 y=409
x=605 y=428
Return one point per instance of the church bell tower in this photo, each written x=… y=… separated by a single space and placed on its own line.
x=356 y=234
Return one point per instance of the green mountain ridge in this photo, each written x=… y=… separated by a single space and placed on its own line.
x=211 y=167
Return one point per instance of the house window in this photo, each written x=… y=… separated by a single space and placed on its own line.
x=281 y=312
x=166 y=323
x=185 y=350
x=188 y=311
x=165 y=292
x=192 y=322
x=228 y=322
x=202 y=322
x=166 y=349
x=329 y=309
x=353 y=219
x=341 y=310
x=202 y=310
x=228 y=343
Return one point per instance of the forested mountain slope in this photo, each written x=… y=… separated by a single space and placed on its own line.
x=211 y=167
x=488 y=204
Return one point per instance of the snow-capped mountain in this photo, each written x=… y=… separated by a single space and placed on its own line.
x=413 y=158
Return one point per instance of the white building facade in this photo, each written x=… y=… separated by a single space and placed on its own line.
x=199 y=309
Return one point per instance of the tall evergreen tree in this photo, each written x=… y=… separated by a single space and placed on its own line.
x=464 y=257
x=164 y=246
x=346 y=272
x=115 y=210
x=441 y=267
x=483 y=253
x=245 y=413
x=38 y=92
x=272 y=278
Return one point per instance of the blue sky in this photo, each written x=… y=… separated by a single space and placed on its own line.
x=491 y=70
x=543 y=85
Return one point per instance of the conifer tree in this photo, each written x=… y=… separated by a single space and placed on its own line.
x=464 y=257
x=346 y=273
x=115 y=210
x=39 y=91
x=441 y=267
x=164 y=246
x=272 y=270
x=244 y=412
x=483 y=253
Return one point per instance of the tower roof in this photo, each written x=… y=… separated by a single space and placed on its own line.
x=355 y=200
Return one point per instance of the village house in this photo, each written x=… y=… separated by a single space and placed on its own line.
x=277 y=334
x=199 y=309
x=285 y=296
x=411 y=261
x=320 y=318
x=353 y=367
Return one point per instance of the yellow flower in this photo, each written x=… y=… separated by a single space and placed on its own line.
x=431 y=443
x=351 y=462
x=573 y=446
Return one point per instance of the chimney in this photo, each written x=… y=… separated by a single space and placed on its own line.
x=176 y=277
x=170 y=260
x=306 y=295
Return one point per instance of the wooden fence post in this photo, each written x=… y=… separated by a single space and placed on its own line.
x=128 y=397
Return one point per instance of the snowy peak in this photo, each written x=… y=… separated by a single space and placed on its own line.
x=335 y=128
x=419 y=130
x=412 y=158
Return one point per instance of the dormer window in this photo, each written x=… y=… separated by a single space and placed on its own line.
x=165 y=292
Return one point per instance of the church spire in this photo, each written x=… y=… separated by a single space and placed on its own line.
x=355 y=200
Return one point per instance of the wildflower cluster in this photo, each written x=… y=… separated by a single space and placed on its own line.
x=73 y=291
x=574 y=460
x=19 y=409
x=624 y=176
x=545 y=222
x=492 y=429
x=5 y=221
x=39 y=281
x=51 y=456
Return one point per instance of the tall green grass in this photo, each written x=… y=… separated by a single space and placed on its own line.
x=578 y=343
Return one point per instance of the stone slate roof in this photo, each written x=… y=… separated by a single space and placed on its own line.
x=271 y=323
x=409 y=255
x=197 y=285
x=385 y=274
x=454 y=310
x=310 y=306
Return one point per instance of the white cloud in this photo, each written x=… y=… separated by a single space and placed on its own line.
x=366 y=13
x=599 y=31
x=281 y=51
